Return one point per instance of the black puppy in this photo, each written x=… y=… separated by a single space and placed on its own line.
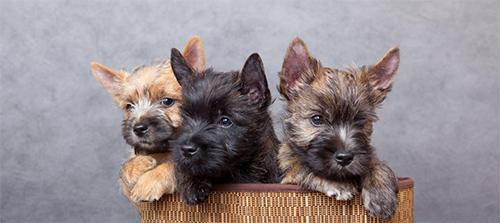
x=228 y=136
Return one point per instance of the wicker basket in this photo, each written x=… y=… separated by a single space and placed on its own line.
x=271 y=203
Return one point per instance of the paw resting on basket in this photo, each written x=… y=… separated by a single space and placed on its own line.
x=155 y=183
x=146 y=180
x=195 y=192
x=147 y=188
x=380 y=203
x=380 y=189
x=135 y=168
x=379 y=192
x=341 y=191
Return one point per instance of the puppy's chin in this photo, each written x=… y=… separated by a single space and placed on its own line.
x=332 y=170
x=206 y=162
x=321 y=161
x=149 y=144
x=192 y=166
x=159 y=139
x=145 y=147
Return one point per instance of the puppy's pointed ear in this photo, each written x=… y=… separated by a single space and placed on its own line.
x=110 y=79
x=182 y=70
x=381 y=75
x=254 y=81
x=295 y=65
x=194 y=54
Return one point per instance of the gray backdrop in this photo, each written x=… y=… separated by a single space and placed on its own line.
x=61 y=147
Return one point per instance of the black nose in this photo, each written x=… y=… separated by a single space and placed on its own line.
x=344 y=158
x=140 y=129
x=188 y=150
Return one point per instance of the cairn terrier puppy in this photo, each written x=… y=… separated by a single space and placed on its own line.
x=151 y=99
x=227 y=132
x=328 y=127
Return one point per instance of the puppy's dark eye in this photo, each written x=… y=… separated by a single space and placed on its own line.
x=317 y=120
x=129 y=106
x=167 y=102
x=225 y=122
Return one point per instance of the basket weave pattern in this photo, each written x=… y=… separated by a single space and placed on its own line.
x=272 y=203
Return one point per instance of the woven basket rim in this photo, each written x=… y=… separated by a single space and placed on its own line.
x=403 y=183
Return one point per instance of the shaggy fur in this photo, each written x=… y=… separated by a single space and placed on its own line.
x=228 y=135
x=151 y=99
x=328 y=128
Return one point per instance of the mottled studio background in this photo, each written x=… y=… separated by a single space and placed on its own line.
x=61 y=147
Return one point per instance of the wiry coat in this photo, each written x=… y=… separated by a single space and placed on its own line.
x=151 y=99
x=228 y=135
x=328 y=127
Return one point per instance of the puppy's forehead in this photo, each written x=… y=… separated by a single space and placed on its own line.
x=342 y=82
x=211 y=93
x=336 y=92
x=154 y=82
x=214 y=87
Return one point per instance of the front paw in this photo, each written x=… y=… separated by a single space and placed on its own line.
x=380 y=189
x=136 y=167
x=196 y=193
x=152 y=186
x=381 y=202
x=342 y=191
